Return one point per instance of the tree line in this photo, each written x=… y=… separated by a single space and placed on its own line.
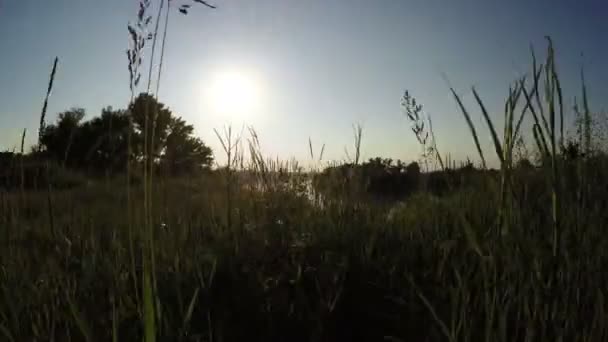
x=101 y=144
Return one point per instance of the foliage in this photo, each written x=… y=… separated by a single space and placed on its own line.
x=183 y=151
x=100 y=145
x=383 y=180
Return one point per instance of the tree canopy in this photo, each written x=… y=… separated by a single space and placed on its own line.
x=101 y=143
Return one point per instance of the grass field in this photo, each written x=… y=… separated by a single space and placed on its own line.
x=285 y=269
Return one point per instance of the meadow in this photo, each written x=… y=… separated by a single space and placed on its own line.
x=264 y=250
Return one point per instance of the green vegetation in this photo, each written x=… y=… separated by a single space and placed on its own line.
x=116 y=228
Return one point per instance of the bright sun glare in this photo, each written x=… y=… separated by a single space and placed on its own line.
x=233 y=95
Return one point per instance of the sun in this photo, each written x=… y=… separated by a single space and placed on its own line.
x=233 y=94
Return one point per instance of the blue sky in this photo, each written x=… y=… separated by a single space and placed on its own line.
x=322 y=65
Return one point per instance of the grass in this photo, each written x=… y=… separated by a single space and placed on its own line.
x=288 y=270
x=285 y=269
x=242 y=253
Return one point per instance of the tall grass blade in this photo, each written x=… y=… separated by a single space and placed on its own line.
x=587 y=116
x=560 y=102
x=46 y=103
x=154 y=40
x=321 y=153
x=442 y=326
x=312 y=155
x=524 y=110
x=162 y=48
x=538 y=68
x=540 y=141
x=84 y=328
x=471 y=236
x=550 y=89
x=358 y=134
x=21 y=166
x=495 y=139
x=434 y=144
x=22 y=149
x=149 y=323
x=188 y=313
x=471 y=127
x=537 y=130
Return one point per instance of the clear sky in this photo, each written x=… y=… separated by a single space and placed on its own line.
x=320 y=65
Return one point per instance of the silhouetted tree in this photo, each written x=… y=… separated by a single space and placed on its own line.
x=161 y=137
x=413 y=169
x=183 y=152
x=524 y=164
x=100 y=145
x=151 y=121
x=58 y=139
x=104 y=141
x=572 y=151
